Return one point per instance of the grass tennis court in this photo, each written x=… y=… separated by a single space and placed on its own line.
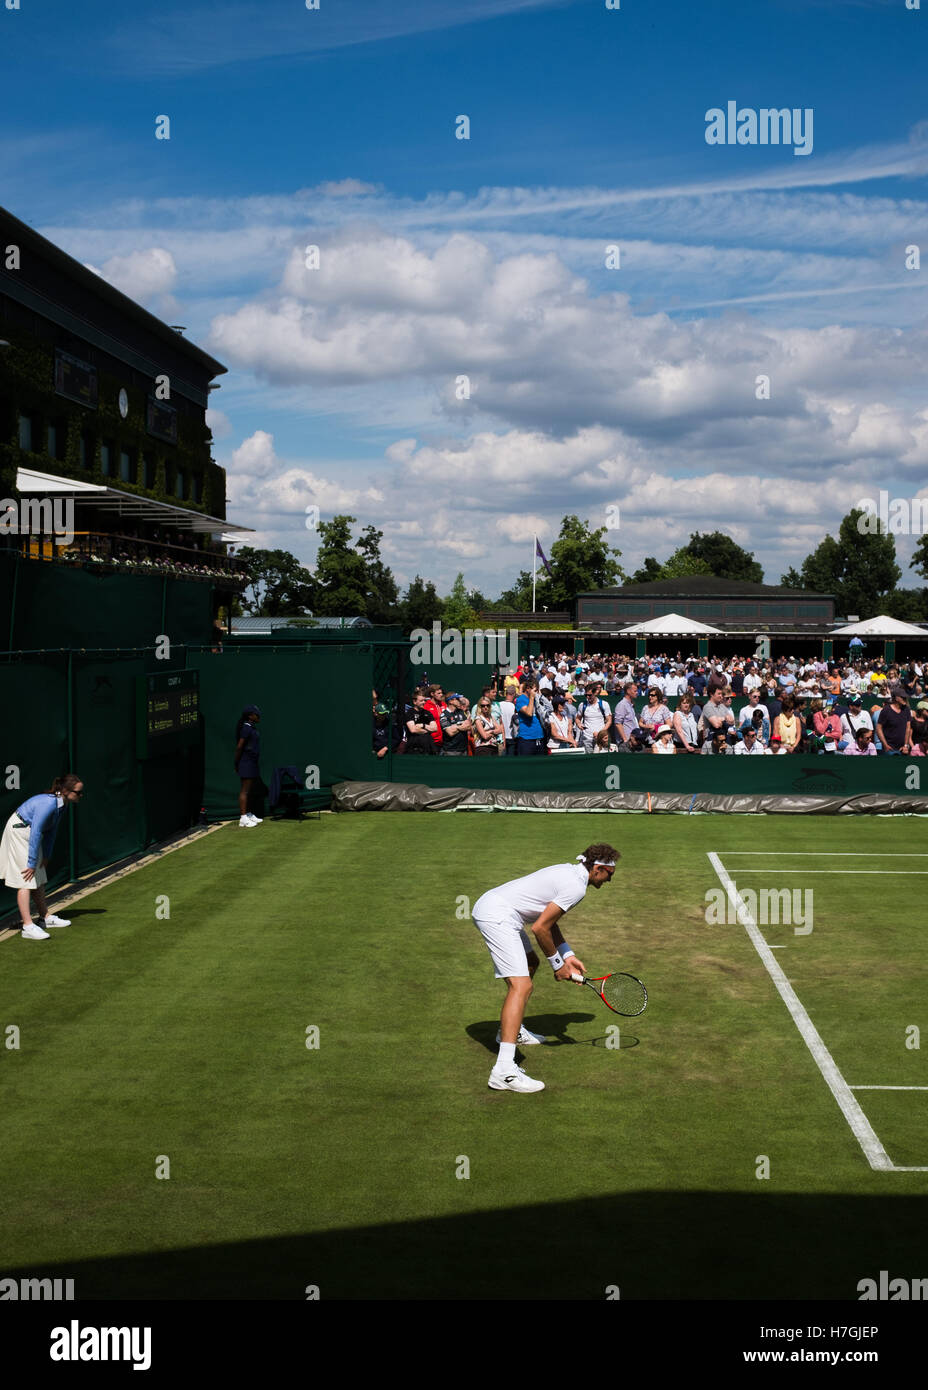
x=143 y=1039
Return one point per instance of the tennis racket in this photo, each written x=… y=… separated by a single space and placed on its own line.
x=621 y=993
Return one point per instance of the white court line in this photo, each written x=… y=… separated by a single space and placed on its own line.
x=889 y=1088
x=781 y=870
x=861 y=1128
x=831 y=853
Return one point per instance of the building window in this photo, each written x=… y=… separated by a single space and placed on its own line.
x=25 y=432
x=179 y=484
x=125 y=466
x=148 y=471
x=106 y=460
x=86 y=451
x=196 y=488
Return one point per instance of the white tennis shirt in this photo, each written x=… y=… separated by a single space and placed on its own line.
x=564 y=884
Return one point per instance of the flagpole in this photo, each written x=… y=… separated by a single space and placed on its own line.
x=534 y=567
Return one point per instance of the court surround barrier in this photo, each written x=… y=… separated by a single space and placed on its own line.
x=76 y=710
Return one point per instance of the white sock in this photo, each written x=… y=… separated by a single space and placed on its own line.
x=507 y=1057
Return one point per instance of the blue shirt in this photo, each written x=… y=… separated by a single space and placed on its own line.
x=43 y=813
x=528 y=728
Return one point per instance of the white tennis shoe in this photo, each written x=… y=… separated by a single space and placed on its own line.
x=525 y=1038
x=52 y=921
x=247 y=822
x=514 y=1080
x=34 y=933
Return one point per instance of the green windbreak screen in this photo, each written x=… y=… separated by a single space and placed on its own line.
x=315 y=708
x=67 y=605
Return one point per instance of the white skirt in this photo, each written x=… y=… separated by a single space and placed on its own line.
x=14 y=853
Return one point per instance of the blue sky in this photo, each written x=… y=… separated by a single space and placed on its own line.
x=591 y=389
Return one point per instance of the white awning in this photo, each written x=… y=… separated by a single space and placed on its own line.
x=882 y=626
x=31 y=483
x=672 y=625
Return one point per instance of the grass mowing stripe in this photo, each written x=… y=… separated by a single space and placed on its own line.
x=863 y=1131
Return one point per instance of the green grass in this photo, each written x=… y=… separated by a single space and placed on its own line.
x=336 y=1166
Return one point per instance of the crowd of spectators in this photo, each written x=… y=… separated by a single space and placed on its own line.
x=736 y=706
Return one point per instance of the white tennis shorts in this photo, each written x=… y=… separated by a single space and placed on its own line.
x=506 y=938
x=14 y=853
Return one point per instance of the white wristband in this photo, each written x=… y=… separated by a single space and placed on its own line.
x=566 y=950
x=555 y=961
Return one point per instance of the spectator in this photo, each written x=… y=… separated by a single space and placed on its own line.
x=717 y=716
x=383 y=734
x=663 y=742
x=492 y=694
x=456 y=724
x=655 y=711
x=435 y=705
x=862 y=745
x=776 y=744
x=420 y=726
x=856 y=718
x=788 y=726
x=635 y=743
x=685 y=727
x=507 y=714
x=750 y=744
x=716 y=743
x=894 y=726
x=594 y=714
x=562 y=737
x=697 y=682
x=827 y=725
x=530 y=735
x=487 y=727
x=747 y=712
x=920 y=722
x=603 y=743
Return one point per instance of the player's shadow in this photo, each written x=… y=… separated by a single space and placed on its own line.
x=553 y=1026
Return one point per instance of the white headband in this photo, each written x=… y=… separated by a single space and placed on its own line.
x=606 y=863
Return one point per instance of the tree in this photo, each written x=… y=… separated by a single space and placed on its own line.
x=580 y=560
x=519 y=597
x=724 y=557
x=859 y=568
x=421 y=605
x=792 y=579
x=280 y=586
x=457 y=611
x=382 y=593
x=684 y=563
x=341 y=573
x=649 y=572
x=908 y=605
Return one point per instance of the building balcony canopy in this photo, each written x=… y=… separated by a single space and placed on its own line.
x=101 y=496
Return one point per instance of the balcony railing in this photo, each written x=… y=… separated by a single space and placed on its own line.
x=138 y=555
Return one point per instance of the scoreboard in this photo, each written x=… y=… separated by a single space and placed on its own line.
x=168 y=707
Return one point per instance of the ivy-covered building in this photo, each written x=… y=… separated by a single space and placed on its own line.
x=103 y=409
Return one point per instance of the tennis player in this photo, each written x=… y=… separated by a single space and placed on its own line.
x=26 y=847
x=538 y=901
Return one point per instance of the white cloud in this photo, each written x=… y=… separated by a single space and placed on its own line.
x=142 y=275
